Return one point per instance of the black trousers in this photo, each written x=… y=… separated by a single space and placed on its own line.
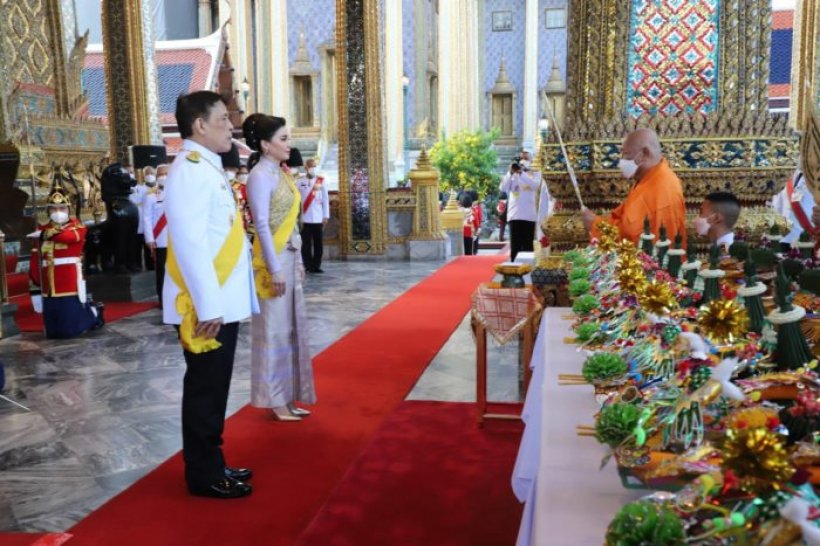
x=522 y=233
x=312 y=248
x=469 y=246
x=159 y=269
x=204 y=400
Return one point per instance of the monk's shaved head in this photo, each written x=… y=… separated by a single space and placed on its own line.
x=645 y=140
x=644 y=147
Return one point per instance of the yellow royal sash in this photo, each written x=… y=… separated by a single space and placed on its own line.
x=224 y=263
x=282 y=232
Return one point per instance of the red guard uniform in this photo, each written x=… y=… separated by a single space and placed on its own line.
x=56 y=272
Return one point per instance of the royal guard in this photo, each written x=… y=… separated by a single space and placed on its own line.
x=315 y=214
x=56 y=272
x=156 y=232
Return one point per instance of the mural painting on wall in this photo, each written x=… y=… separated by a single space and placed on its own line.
x=673 y=57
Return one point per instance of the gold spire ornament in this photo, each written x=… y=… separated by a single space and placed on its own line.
x=58 y=195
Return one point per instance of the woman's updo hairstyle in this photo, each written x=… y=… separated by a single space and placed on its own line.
x=256 y=128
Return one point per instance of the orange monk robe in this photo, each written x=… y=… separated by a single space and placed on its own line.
x=658 y=195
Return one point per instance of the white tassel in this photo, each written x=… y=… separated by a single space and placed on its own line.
x=797 y=512
x=723 y=374
x=697 y=347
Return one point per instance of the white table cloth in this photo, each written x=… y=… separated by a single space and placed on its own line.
x=567 y=500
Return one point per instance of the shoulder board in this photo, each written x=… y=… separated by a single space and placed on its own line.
x=193 y=157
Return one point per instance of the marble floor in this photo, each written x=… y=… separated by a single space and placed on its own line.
x=105 y=407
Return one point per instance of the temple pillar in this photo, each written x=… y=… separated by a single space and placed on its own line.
x=394 y=92
x=131 y=76
x=427 y=241
x=204 y=13
x=270 y=65
x=458 y=90
x=530 y=75
x=362 y=166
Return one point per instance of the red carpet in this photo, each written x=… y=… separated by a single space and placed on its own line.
x=430 y=477
x=359 y=380
x=29 y=321
x=33 y=539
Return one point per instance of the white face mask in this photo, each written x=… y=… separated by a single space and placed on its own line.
x=311 y=172
x=150 y=179
x=702 y=226
x=59 y=217
x=161 y=178
x=628 y=167
x=242 y=178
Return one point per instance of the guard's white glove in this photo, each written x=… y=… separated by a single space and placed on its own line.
x=37 y=303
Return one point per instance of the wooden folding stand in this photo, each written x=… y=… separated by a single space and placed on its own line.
x=529 y=332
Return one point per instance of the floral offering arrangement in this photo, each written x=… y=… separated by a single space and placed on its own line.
x=708 y=390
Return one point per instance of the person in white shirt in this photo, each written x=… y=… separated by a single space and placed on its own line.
x=718 y=214
x=140 y=254
x=315 y=214
x=156 y=226
x=208 y=286
x=796 y=204
x=521 y=189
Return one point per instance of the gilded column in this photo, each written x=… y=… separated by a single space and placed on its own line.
x=530 y=75
x=427 y=241
x=204 y=18
x=394 y=94
x=131 y=76
x=362 y=166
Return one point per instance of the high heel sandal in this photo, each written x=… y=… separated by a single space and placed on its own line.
x=282 y=413
x=299 y=412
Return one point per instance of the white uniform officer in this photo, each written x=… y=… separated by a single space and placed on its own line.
x=315 y=214
x=156 y=226
x=208 y=288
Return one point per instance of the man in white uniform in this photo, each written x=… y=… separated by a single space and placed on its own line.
x=315 y=214
x=156 y=226
x=796 y=204
x=521 y=189
x=209 y=268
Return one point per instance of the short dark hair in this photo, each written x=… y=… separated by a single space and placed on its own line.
x=726 y=204
x=192 y=106
x=465 y=200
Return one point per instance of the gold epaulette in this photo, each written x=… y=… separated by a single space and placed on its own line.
x=193 y=157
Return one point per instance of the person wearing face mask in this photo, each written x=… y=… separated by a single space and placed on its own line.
x=718 y=214
x=56 y=273
x=156 y=223
x=657 y=193
x=232 y=164
x=281 y=368
x=141 y=254
x=315 y=214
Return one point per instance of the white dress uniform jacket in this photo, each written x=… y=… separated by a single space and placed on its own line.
x=152 y=210
x=319 y=209
x=137 y=197
x=200 y=207
x=520 y=190
x=783 y=206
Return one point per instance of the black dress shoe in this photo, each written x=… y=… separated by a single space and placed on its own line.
x=227 y=488
x=240 y=474
x=318 y=270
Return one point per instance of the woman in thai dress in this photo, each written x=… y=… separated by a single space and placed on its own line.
x=281 y=370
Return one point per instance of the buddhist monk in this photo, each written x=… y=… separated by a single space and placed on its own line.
x=657 y=193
